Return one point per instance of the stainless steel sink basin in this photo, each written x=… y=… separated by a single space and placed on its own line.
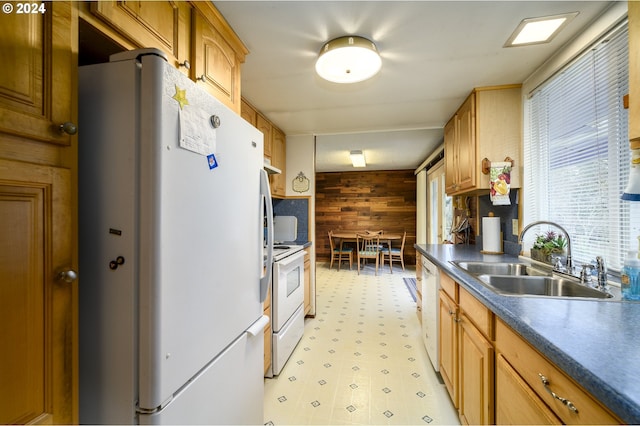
x=497 y=268
x=525 y=285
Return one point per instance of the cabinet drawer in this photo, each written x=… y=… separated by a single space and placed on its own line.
x=449 y=286
x=476 y=312
x=516 y=403
x=530 y=364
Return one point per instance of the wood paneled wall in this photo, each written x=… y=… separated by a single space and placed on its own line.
x=366 y=200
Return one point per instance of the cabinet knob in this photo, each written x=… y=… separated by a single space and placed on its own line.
x=67 y=275
x=201 y=78
x=185 y=64
x=68 y=128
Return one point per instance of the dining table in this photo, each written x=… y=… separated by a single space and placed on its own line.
x=350 y=236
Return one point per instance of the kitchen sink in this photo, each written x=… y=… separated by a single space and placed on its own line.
x=497 y=268
x=526 y=285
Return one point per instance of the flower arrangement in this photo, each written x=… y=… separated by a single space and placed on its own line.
x=547 y=244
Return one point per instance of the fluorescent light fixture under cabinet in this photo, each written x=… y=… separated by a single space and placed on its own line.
x=357 y=159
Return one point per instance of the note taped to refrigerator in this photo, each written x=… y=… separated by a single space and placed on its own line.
x=196 y=132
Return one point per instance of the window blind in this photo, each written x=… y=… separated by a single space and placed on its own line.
x=576 y=154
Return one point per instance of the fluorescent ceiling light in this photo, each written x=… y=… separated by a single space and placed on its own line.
x=348 y=59
x=539 y=30
x=357 y=159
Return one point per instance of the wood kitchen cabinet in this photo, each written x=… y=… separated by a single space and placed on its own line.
x=218 y=55
x=459 y=148
x=265 y=127
x=522 y=397
x=279 y=160
x=516 y=402
x=275 y=147
x=476 y=361
x=419 y=287
x=307 y=283
x=165 y=25
x=38 y=216
x=494 y=376
x=487 y=125
x=267 y=332
x=194 y=35
x=37 y=82
x=466 y=353
x=448 y=345
x=249 y=113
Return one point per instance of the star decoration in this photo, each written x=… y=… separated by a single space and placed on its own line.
x=181 y=97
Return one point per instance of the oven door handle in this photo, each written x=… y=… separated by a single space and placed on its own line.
x=265 y=196
x=291 y=258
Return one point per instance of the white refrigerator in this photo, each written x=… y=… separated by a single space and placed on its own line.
x=171 y=205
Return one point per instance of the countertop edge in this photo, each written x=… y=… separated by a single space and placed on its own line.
x=613 y=398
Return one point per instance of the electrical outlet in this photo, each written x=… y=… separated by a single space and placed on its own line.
x=514 y=227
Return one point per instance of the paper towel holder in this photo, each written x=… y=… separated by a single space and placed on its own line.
x=486 y=164
x=500 y=242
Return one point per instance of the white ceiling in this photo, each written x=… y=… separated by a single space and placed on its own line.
x=434 y=53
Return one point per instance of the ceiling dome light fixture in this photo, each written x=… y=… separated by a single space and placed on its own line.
x=348 y=59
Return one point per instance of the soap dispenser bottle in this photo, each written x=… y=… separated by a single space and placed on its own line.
x=630 y=277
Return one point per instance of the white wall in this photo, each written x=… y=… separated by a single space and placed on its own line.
x=301 y=158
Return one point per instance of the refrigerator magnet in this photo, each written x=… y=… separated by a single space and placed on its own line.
x=213 y=163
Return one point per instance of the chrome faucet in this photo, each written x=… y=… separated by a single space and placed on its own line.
x=569 y=264
x=602 y=274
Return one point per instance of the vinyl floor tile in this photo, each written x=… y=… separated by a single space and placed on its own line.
x=361 y=360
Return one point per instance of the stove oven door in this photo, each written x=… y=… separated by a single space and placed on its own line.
x=288 y=288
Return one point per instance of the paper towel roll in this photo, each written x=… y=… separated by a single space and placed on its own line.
x=491 y=237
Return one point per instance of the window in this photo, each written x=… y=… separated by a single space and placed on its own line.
x=577 y=154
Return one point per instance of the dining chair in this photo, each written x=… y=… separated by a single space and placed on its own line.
x=339 y=254
x=368 y=246
x=394 y=253
x=380 y=233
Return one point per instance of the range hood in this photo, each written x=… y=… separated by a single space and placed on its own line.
x=270 y=169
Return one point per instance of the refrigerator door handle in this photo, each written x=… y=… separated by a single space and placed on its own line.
x=265 y=193
x=257 y=328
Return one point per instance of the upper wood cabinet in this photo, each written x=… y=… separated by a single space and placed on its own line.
x=165 y=25
x=194 y=35
x=217 y=57
x=248 y=113
x=460 y=148
x=275 y=146
x=487 y=125
x=36 y=86
x=265 y=127
x=279 y=160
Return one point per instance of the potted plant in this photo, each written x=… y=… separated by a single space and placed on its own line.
x=547 y=246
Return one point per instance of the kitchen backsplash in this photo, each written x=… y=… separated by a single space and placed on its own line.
x=506 y=215
x=298 y=207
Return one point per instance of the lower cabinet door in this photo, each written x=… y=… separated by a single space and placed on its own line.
x=516 y=402
x=476 y=404
x=448 y=346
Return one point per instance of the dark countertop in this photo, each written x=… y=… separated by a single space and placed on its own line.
x=596 y=342
x=304 y=244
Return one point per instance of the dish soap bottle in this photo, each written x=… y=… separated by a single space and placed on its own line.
x=630 y=277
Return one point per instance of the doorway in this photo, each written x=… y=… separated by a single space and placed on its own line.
x=439 y=206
